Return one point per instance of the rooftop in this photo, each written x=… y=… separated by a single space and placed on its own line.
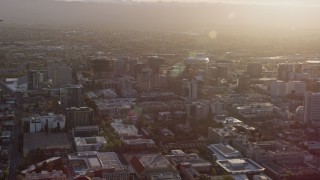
x=109 y=159
x=33 y=141
x=222 y=131
x=165 y=176
x=240 y=166
x=46 y=175
x=139 y=141
x=107 y=103
x=179 y=157
x=81 y=141
x=154 y=161
x=224 y=151
x=90 y=160
x=125 y=130
x=196 y=59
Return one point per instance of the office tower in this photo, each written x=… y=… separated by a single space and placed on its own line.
x=311 y=109
x=37 y=79
x=131 y=66
x=163 y=69
x=287 y=71
x=102 y=68
x=83 y=116
x=193 y=90
x=145 y=80
x=223 y=71
x=61 y=76
x=139 y=67
x=160 y=81
x=125 y=66
x=71 y=96
x=254 y=70
x=296 y=88
x=119 y=67
x=126 y=86
x=195 y=63
x=154 y=63
x=197 y=111
x=243 y=82
x=278 y=88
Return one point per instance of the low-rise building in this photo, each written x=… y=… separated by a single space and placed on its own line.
x=148 y=166
x=256 y=110
x=138 y=144
x=53 y=175
x=89 y=143
x=98 y=164
x=220 y=135
x=125 y=131
x=51 y=144
x=279 y=171
x=224 y=151
x=180 y=158
x=46 y=123
x=270 y=151
x=119 y=107
x=240 y=166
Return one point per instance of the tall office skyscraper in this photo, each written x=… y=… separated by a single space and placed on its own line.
x=193 y=90
x=311 y=108
x=286 y=70
x=71 y=96
x=37 y=79
x=145 y=80
x=154 y=63
x=254 y=70
x=103 y=67
x=61 y=76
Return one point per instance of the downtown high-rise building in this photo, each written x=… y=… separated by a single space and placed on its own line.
x=311 y=110
x=254 y=70
x=83 y=116
x=72 y=96
x=61 y=76
x=37 y=79
x=193 y=90
x=287 y=71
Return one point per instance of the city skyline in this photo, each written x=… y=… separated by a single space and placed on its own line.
x=160 y=90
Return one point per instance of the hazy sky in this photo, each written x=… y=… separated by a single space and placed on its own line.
x=293 y=14
x=262 y=2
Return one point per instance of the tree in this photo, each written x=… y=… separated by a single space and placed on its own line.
x=5 y=174
x=58 y=127
x=46 y=127
x=19 y=177
x=203 y=177
x=214 y=171
x=227 y=177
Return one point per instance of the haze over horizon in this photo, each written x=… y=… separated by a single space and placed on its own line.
x=127 y=14
x=248 y=2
